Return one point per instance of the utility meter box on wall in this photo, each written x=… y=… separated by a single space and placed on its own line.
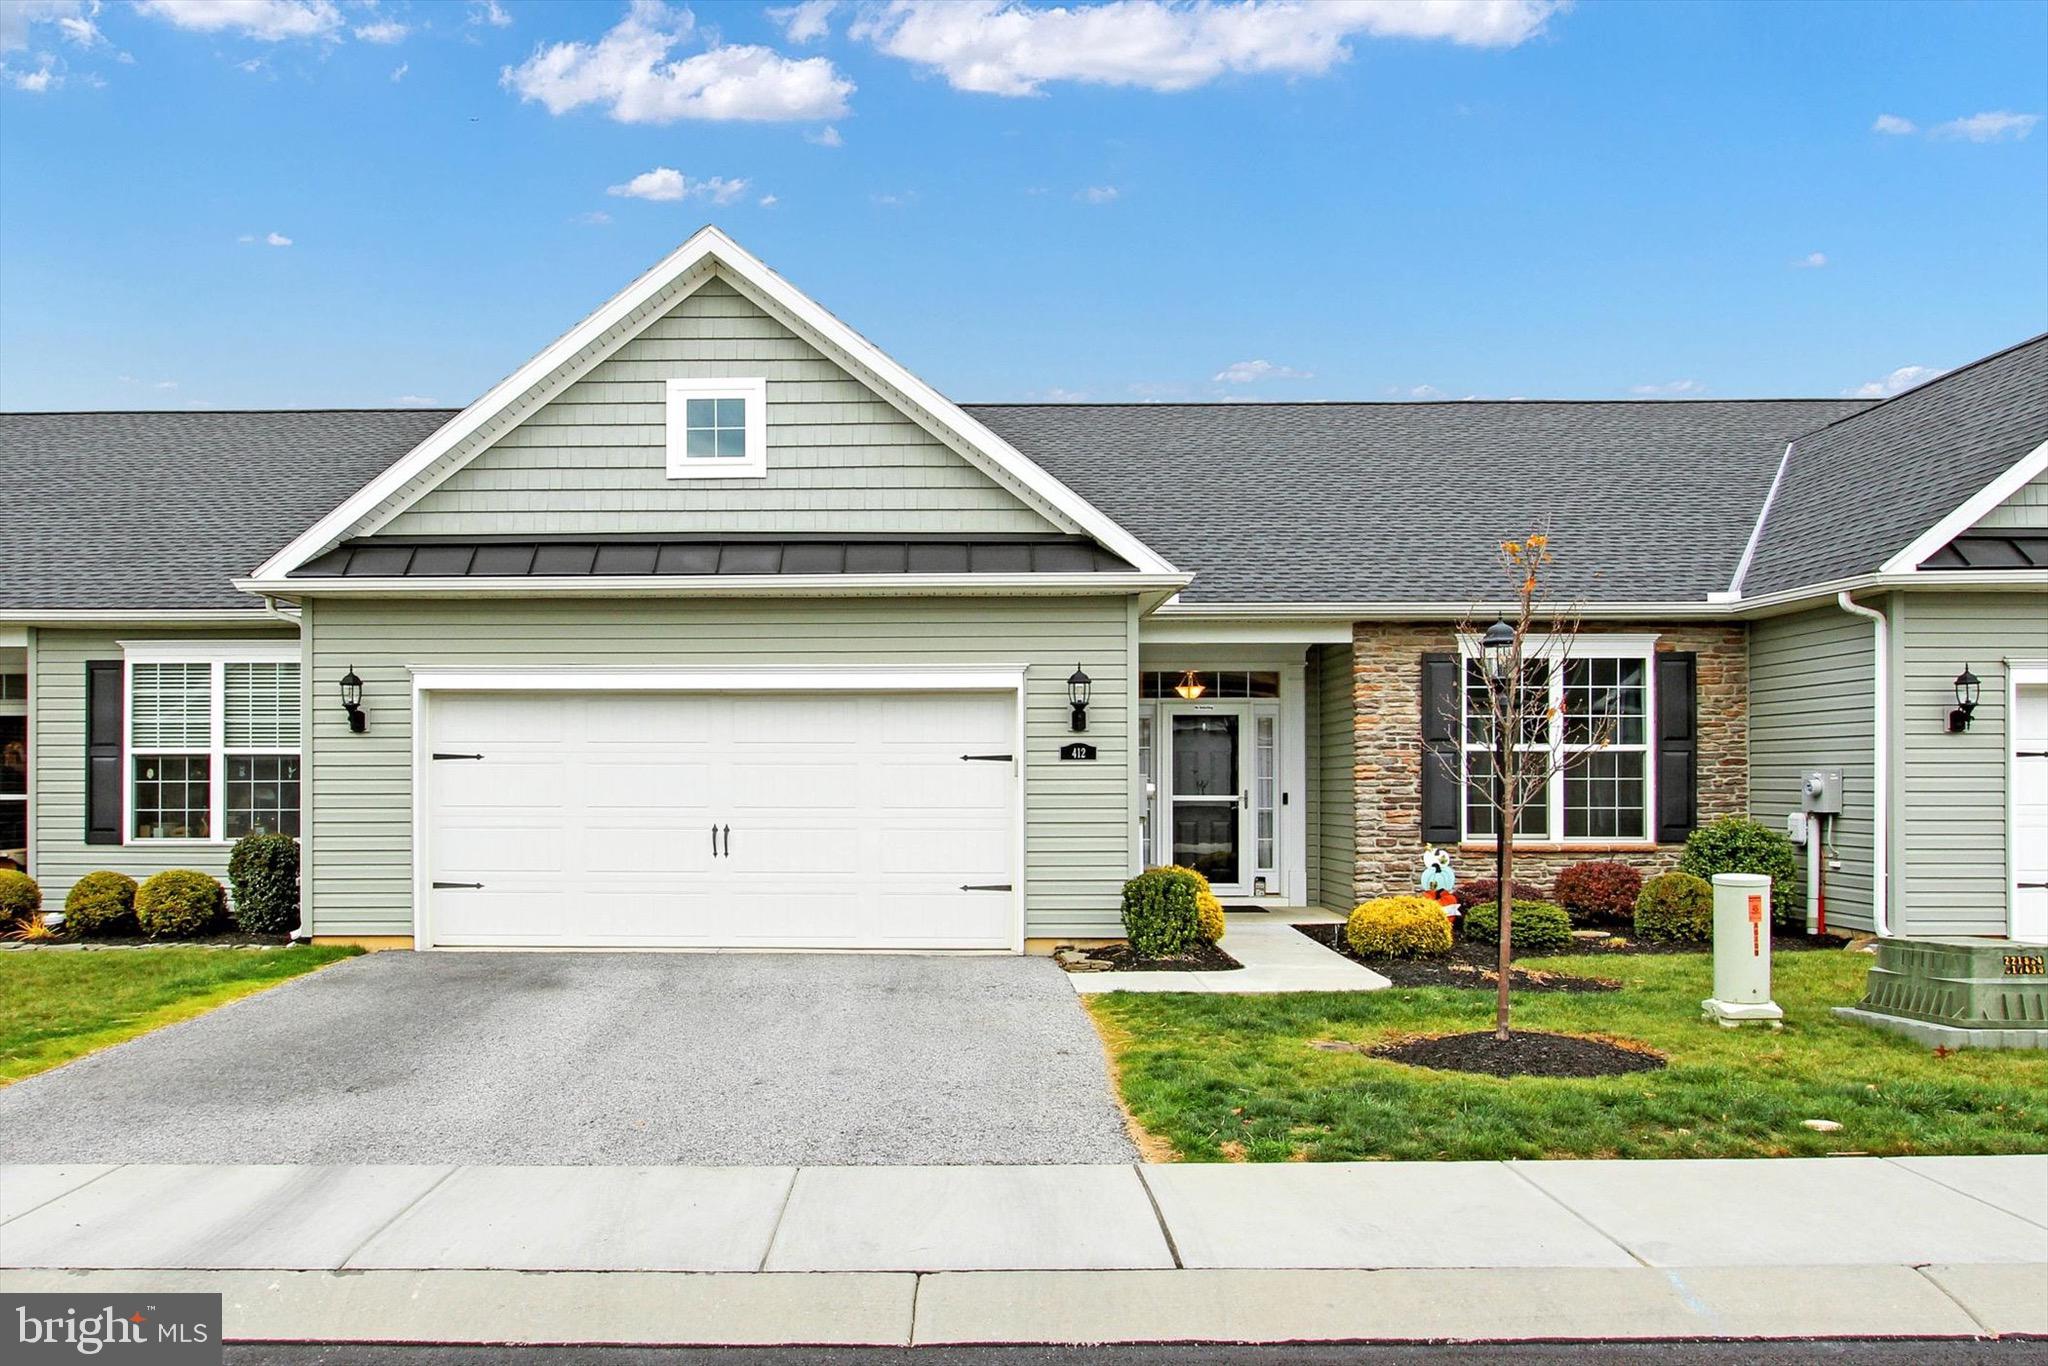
x=1820 y=791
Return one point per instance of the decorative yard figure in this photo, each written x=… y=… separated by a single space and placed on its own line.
x=1438 y=878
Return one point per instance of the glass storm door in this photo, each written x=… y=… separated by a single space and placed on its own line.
x=1206 y=798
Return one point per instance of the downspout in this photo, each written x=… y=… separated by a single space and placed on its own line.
x=1880 y=761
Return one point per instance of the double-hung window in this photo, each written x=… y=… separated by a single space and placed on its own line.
x=717 y=428
x=1589 y=722
x=213 y=741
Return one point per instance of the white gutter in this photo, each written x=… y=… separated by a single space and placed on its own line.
x=1880 y=762
x=711 y=585
x=234 y=616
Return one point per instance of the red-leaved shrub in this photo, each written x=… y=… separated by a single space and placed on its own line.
x=1599 y=892
x=1488 y=889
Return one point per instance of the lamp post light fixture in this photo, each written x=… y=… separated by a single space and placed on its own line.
x=352 y=701
x=1190 y=687
x=1498 y=645
x=1968 y=689
x=1079 y=685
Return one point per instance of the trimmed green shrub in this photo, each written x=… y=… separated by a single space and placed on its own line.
x=1162 y=913
x=1481 y=889
x=1599 y=892
x=1539 y=926
x=1675 y=908
x=179 y=904
x=1398 y=927
x=264 y=871
x=20 y=897
x=1736 y=844
x=1208 y=910
x=101 y=903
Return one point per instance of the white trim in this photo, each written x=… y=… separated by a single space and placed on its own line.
x=751 y=391
x=2024 y=471
x=2018 y=674
x=1177 y=630
x=238 y=616
x=705 y=248
x=1756 y=533
x=721 y=585
x=216 y=655
x=205 y=651
x=13 y=637
x=1009 y=678
x=1880 y=761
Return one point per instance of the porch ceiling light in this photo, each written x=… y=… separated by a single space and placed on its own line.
x=352 y=701
x=1969 y=688
x=1497 y=645
x=1190 y=686
x=1079 y=685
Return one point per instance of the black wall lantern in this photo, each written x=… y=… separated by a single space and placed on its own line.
x=352 y=702
x=1968 y=690
x=1078 y=686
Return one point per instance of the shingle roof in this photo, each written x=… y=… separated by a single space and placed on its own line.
x=1408 y=502
x=1925 y=453
x=158 y=511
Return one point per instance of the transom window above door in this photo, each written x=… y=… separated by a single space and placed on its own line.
x=717 y=428
x=1209 y=684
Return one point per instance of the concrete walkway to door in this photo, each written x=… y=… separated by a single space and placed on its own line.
x=724 y=1059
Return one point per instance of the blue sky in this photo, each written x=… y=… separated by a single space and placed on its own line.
x=286 y=203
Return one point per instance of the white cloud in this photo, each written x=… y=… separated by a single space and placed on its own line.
x=1252 y=371
x=1894 y=126
x=414 y=401
x=768 y=201
x=1058 y=395
x=271 y=21
x=828 y=136
x=383 y=31
x=1421 y=393
x=489 y=12
x=596 y=218
x=276 y=239
x=1677 y=388
x=1000 y=47
x=1097 y=194
x=73 y=19
x=665 y=184
x=892 y=200
x=1897 y=382
x=807 y=21
x=1813 y=260
x=40 y=81
x=629 y=71
x=398 y=72
x=1992 y=126
x=165 y=384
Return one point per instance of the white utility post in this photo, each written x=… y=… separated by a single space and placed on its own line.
x=1742 y=952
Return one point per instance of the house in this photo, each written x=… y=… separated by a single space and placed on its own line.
x=711 y=625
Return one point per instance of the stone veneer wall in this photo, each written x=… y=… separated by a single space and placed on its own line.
x=1386 y=695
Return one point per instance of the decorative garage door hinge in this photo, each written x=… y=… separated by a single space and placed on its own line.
x=457 y=756
x=990 y=758
x=985 y=887
x=477 y=885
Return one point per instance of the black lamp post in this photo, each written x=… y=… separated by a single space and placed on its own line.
x=352 y=702
x=1968 y=689
x=1078 y=687
x=1498 y=648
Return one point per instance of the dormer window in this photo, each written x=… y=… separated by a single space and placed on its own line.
x=717 y=428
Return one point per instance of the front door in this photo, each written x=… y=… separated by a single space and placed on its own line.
x=1207 y=793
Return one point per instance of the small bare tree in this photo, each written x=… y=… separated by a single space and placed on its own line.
x=1513 y=707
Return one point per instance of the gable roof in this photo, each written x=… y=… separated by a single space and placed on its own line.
x=1932 y=450
x=159 y=512
x=1385 y=503
x=620 y=318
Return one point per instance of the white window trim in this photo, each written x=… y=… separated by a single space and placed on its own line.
x=217 y=655
x=754 y=465
x=1554 y=651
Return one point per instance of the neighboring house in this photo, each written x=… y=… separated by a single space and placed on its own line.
x=711 y=625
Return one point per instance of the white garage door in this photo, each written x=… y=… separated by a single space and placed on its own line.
x=2030 y=813
x=839 y=820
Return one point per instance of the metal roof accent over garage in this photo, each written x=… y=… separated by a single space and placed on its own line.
x=576 y=556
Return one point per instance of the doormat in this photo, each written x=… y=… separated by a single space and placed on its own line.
x=1245 y=910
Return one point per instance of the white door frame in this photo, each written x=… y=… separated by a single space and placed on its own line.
x=996 y=678
x=2027 y=674
x=1162 y=745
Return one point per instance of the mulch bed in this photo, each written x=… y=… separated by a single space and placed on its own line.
x=1121 y=958
x=1469 y=966
x=231 y=939
x=1526 y=1053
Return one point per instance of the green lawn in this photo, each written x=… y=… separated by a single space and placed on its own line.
x=1233 y=1077
x=58 y=1006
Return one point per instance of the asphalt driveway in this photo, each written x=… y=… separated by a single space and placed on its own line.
x=602 y=1058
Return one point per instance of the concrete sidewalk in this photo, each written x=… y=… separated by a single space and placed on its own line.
x=1824 y=1247
x=1276 y=957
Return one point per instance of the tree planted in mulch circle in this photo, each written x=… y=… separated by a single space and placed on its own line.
x=1523 y=1053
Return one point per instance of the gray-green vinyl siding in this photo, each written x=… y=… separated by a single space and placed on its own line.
x=1811 y=705
x=1077 y=815
x=2026 y=510
x=1333 y=850
x=59 y=855
x=841 y=457
x=1950 y=872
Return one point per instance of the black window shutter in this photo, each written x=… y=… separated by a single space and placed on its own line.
x=1677 y=746
x=103 y=712
x=1442 y=782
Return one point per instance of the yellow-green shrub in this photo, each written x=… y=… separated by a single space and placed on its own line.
x=1398 y=927
x=1208 y=910
x=1676 y=908
x=1538 y=926
x=101 y=903
x=178 y=904
x=20 y=897
x=1159 y=911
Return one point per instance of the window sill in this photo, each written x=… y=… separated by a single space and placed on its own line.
x=1611 y=847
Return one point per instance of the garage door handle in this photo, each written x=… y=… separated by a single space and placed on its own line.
x=985 y=887
x=477 y=885
x=728 y=841
x=714 y=839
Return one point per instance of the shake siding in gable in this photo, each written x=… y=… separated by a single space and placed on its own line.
x=1077 y=815
x=2026 y=510
x=841 y=458
x=1810 y=706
